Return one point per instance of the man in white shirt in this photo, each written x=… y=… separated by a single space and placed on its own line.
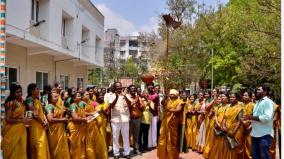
x=119 y=120
x=262 y=124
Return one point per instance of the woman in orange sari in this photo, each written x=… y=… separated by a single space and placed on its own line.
x=14 y=141
x=95 y=147
x=217 y=151
x=233 y=128
x=77 y=127
x=248 y=110
x=168 y=147
x=57 y=137
x=38 y=142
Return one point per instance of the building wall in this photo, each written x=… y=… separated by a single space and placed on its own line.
x=28 y=65
x=82 y=13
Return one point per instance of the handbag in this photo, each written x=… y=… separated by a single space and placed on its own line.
x=218 y=132
x=232 y=142
x=108 y=128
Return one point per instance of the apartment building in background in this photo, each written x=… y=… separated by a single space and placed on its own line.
x=120 y=48
x=53 y=40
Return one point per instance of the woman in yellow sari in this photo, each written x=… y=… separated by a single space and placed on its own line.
x=169 y=136
x=95 y=147
x=57 y=137
x=248 y=110
x=189 y=121
x=77 y=127
x=38 y=142
x=58 y=88
x=101 y=120
x=276 y=124
x=210 y=133
x=233 y=128
x=14 y=141
x=217 y=151
x=91 y=93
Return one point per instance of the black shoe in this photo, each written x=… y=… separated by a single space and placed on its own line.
x=146 y=149
x=115 y=157
x=138 y=152
x=141 y=150
x=128 y=157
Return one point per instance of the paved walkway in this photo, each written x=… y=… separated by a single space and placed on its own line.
x=153 y=155
x=190 y=155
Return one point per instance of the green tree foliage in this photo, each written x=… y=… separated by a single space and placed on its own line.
x=244 y=35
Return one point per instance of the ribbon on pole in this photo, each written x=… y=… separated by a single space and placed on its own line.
x=3 y=78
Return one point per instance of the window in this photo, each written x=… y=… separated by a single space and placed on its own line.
x=122 y=43
x=133 y=43
x=85 y=41
x=64 y=80
x=12 y=74
x=133 y=53
x=63 y=27
x=41 y=79
x=35 y=10
x=122 y=53
x=80 y=82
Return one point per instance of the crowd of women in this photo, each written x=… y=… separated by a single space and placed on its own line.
x=61 y=124
x=76 y=123
x=215 y=124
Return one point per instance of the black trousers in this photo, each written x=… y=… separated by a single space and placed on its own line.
x=143 y=136
x=158 y=130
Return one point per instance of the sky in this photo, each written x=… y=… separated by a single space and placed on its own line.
x=133 y=16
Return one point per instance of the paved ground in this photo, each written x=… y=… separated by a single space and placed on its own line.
x=190 y=155
x=153 y=155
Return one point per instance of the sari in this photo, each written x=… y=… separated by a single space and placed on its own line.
x=189 y=126
x=57 y=137
x=77 y=138
x=195 y=128
x=169 y=136
x=248 y=110
x=38 y=142
x=95 y=145
x=101 y=122
x=201 y=135
x=276 y=120
x=217 y=151
x=14 y=141
x=210 y=134
x=232 y=121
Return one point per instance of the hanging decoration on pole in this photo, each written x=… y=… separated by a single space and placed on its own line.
x=147 y=78
x=3 y=78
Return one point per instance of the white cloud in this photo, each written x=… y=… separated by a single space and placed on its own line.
x=152 y=25
x=114 y=20
x=124 y=26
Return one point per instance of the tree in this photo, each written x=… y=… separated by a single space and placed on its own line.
x=244 y=35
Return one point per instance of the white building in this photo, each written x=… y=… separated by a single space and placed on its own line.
x=50 y=40
x=112 y=48
x=132 y=46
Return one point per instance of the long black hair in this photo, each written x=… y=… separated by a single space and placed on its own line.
x=31 y=88
x=47 y=89
x=13 y=88
x=73 y=96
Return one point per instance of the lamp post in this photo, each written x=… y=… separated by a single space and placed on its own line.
x=170 y=23
x=212 y=70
